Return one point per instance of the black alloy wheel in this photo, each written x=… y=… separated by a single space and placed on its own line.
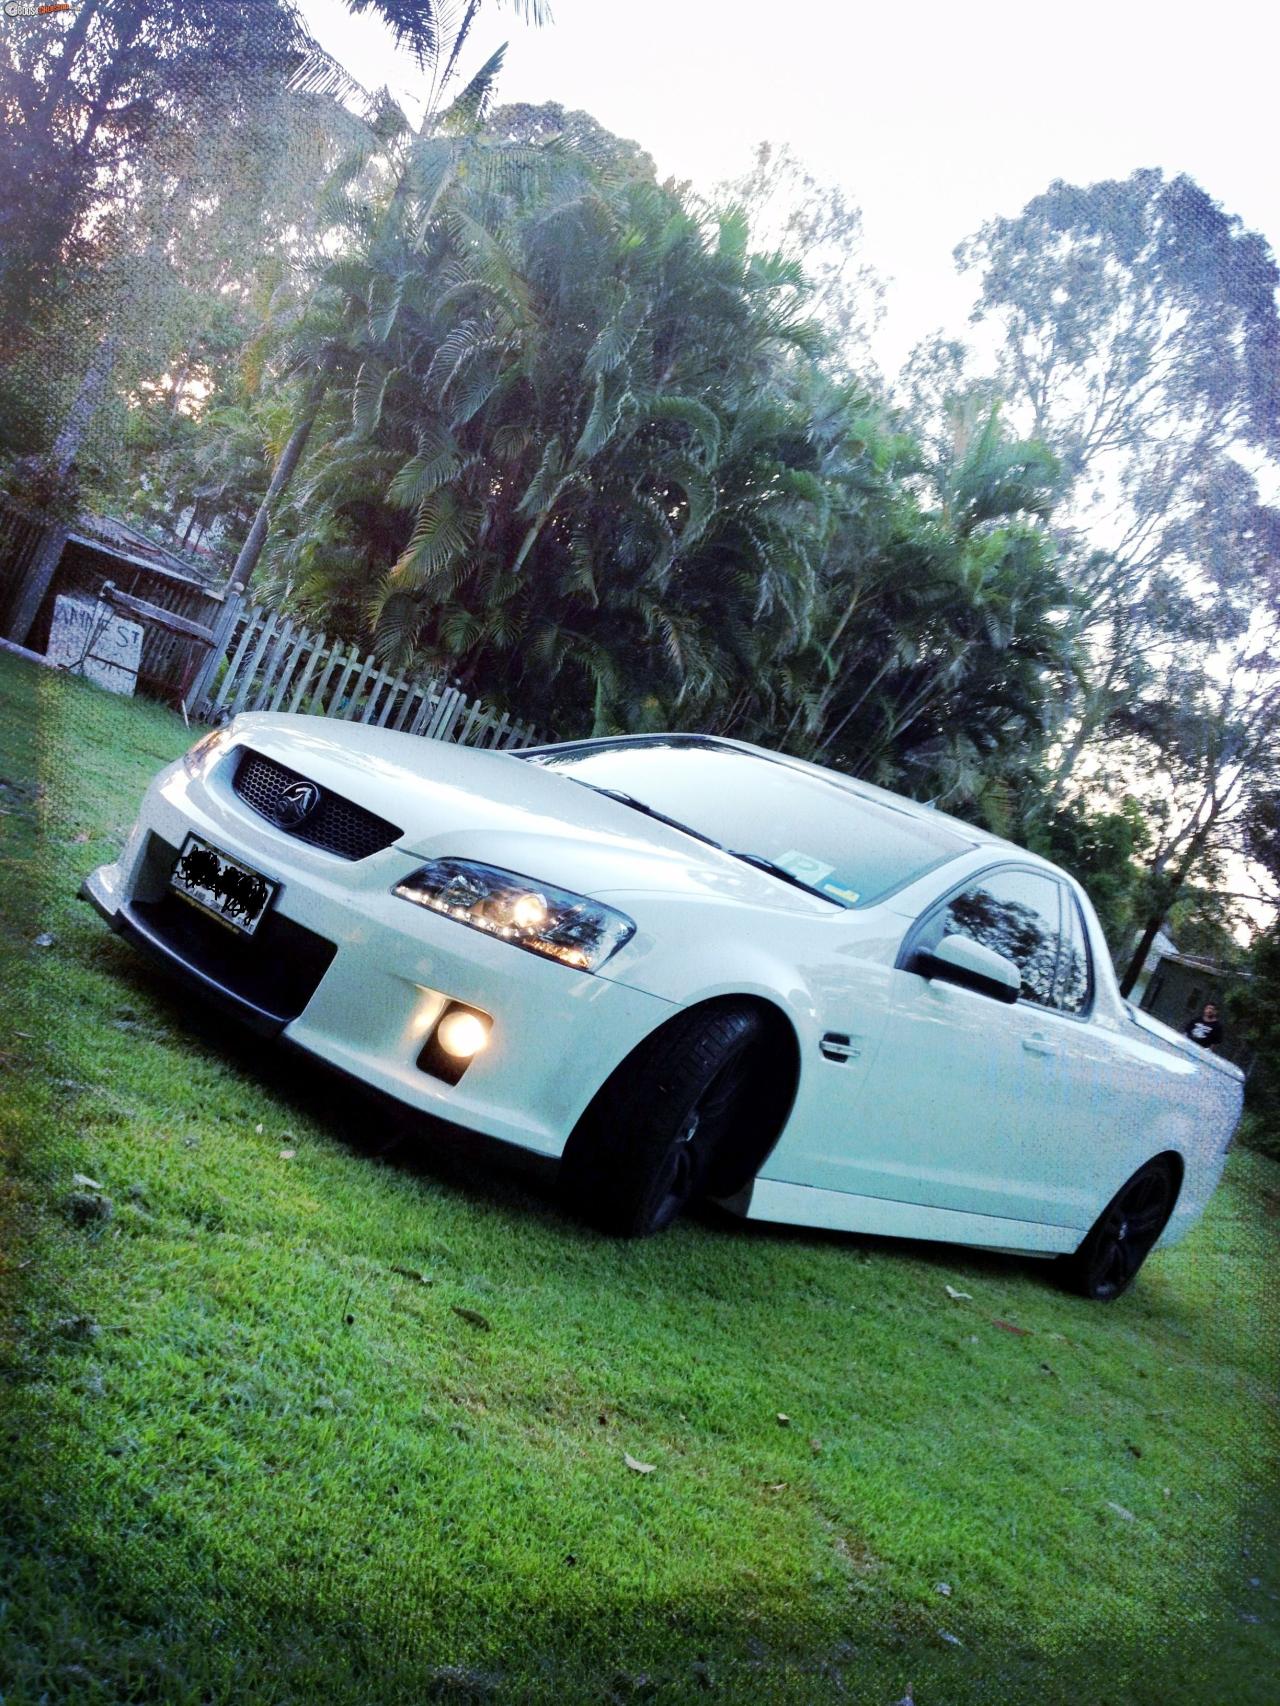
x=661 y=1125
x=680 y=1174
x=1123 y=1235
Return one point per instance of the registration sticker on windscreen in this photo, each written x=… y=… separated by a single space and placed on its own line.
x=806 y=869
x=233 y=893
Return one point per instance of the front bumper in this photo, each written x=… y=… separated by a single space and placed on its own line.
x=358 y=977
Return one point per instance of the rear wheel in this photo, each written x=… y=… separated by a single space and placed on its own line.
x=658 y=1132
x=1123 y=1234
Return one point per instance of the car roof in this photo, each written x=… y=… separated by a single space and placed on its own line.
x=850 y=784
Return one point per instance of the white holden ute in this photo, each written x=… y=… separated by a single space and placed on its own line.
x=688 y=967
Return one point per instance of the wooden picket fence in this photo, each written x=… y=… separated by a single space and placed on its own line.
x=275 y=664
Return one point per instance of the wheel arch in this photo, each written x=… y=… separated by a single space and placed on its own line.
x=1177 y=1163
x=783 y=1042
x=1173 y=1157
x=1088 y=1269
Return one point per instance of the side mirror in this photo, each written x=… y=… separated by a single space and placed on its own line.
x=959 y=959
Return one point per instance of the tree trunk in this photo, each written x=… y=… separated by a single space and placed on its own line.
x=66 y=446
x=128 y=24
x=60 y=76
x=38 y=576
x=290 y=456
x=35 y=583
x=180 y=388
x=1170 y=889
x=251 y=551
x=1145 y=942
x=1062 y=775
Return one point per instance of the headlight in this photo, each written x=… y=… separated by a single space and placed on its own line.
x=198 y=758
x=544 y=920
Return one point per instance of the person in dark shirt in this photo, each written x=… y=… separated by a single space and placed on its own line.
x=1207 y=1029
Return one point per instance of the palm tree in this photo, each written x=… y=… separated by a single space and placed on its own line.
x=423 y=165
x=605 y=458
x=949 y=628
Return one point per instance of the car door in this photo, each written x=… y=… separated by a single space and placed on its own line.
x=1100 y=1123
x=963 y=1105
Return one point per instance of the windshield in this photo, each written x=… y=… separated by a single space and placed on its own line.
x=850 y=850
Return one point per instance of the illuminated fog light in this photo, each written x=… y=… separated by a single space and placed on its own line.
x=462 y=1034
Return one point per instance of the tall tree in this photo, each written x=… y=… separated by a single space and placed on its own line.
x=570 y=430
x=940 y=642
x=1219 y=742
x=815 y=224
x=611 y=481
x=1140 y=338
x=156 y=120
x=86 y=111
x=425 y=165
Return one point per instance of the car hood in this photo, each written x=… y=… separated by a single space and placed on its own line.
x=506 y=811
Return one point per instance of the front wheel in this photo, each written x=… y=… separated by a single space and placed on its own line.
x=658 y=1131
x=1123 y=1235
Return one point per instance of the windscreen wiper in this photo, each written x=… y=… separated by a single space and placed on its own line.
x=757 y=859
x=776 y=870
x=648 y=810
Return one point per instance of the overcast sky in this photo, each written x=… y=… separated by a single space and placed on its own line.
x=933 y=117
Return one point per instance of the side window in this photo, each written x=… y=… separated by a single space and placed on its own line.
x=1017 y=914
x=1075 y=967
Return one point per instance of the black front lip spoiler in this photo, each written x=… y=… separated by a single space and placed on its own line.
x=126 y=923
x=469 y=1142
x=84 y=892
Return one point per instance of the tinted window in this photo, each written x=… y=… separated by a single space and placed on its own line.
x=1075 y=976
x=1014 y=912
x=848 y=848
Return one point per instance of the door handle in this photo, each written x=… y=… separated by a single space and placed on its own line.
x=1038 y=1045
x=836 y=1045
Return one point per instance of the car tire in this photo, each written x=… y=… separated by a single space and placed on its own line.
x=657 y=1132
x=1123 y=1235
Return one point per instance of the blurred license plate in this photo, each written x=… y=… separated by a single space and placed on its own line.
x=233 y=893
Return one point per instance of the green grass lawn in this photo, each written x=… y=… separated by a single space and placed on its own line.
x=252 y=1450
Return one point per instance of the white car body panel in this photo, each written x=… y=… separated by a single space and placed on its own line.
x=922 y=1109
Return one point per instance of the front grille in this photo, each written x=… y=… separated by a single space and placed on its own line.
x=338 y=826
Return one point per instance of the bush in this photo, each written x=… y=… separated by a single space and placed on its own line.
x=1259 y=1133
x=1253 y=1012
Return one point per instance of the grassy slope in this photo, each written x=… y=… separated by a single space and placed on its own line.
x=248 y=1460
